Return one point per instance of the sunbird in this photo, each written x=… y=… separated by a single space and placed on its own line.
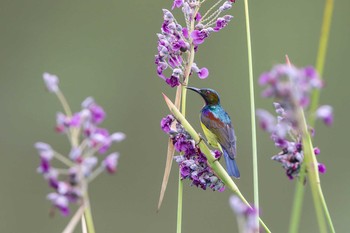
x=217 y=128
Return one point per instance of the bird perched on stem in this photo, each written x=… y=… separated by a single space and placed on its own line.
x=217 y=127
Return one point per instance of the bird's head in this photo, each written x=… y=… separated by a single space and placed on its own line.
x=210 y=96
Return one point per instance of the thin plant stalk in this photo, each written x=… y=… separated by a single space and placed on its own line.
x=325 y=209
x=311 y=166
x=179 y=205
x=88 y=215
x=64 y=103
x=183 y=111
x=321 y=57
x=180 y=185
x=83 y=225
x=212 y=162
x=86 y=218
x=252 y=110
x=74 y=220
x=298 y=202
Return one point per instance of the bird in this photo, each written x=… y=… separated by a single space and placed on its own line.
x=217 y=128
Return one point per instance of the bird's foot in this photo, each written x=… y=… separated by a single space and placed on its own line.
x=201 y=138
x=216 y=160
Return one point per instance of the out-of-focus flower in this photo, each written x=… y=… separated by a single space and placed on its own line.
x=111 y=162
x=291 y=89
x=60 y=202
x=325 y=113
x=51 y=82
x=87 y=138
x=248 y=214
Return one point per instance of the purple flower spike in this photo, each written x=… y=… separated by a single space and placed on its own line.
x=86 y=139
x=325 y=113
x=111 y=162
x=51 y=82
x=291 y=88
x=175 y=40
x=322 y=168
x=192 y=164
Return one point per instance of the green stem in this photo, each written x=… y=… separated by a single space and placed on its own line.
x=64 y=103
x=312 y=174
x=252 y=109
x=312 y=170
x=180 y=185
x=321 y=56
x=325 y=209
x=63 y=159
x=298 y=202
x=74 y=220
x=183 y=111
x=87 y=214
x=212 y=162
x=179 y=204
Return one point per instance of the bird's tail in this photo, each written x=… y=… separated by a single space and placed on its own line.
x=231 y=165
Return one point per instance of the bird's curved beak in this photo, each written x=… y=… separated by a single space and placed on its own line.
x=194 y=89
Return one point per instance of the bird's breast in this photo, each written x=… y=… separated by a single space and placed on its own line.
x=216 y=114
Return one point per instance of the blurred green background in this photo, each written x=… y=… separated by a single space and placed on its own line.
x=105 y=49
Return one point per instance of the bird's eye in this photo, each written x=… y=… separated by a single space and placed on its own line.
x=208 y=92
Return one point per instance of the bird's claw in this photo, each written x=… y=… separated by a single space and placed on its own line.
x=201 y=138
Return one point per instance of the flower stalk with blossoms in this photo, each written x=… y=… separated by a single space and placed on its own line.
x=175 y=60
x=192 y=141
x=192 y=162
x=291 y=88
x=89 y=143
